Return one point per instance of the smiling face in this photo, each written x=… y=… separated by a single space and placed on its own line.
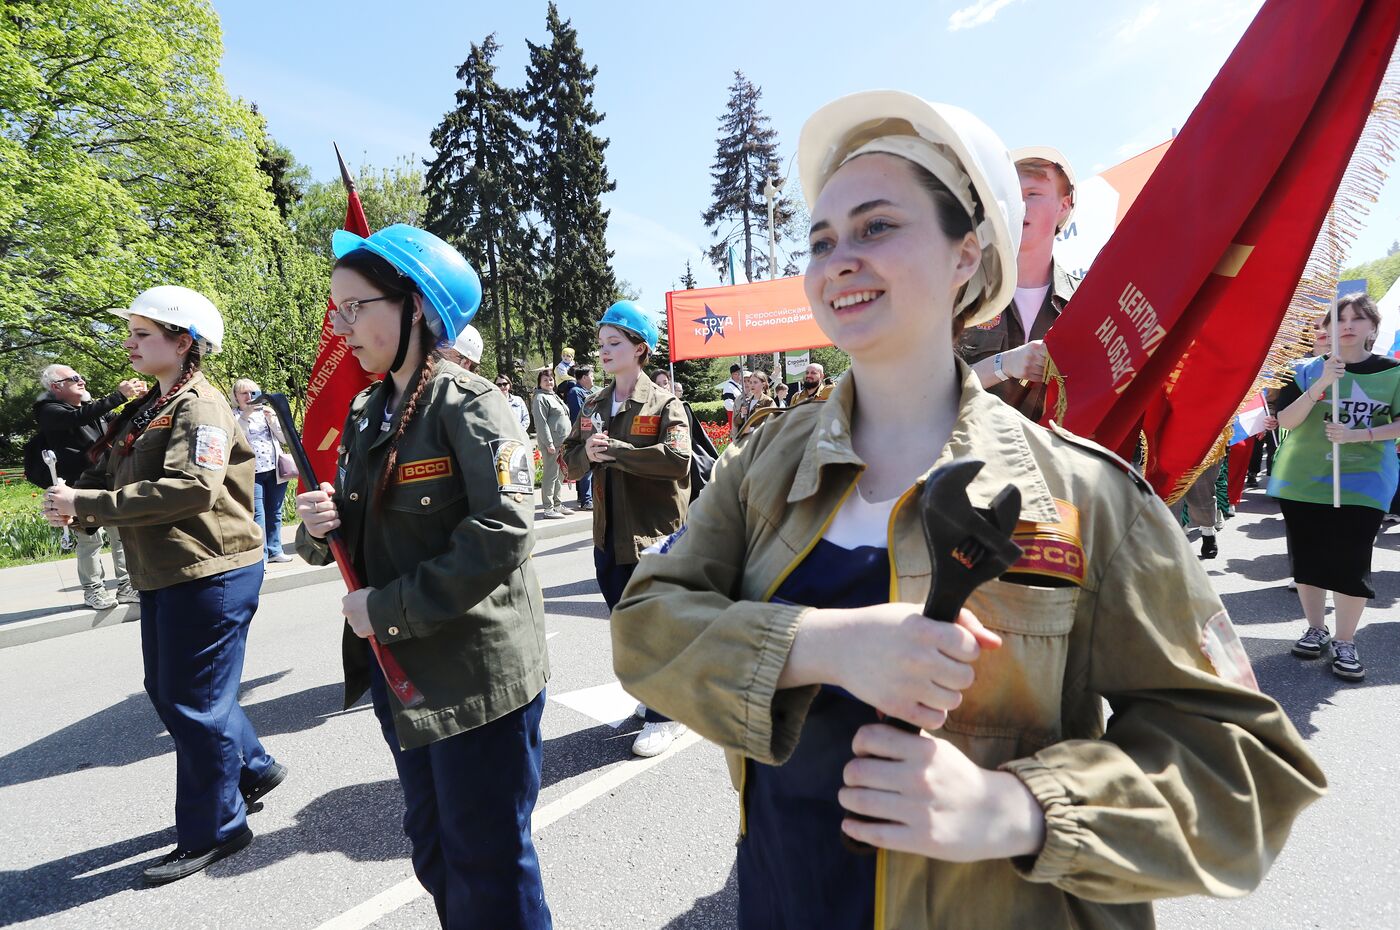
x=374 y=336
x=154 y=350
x=618 y=354
x=883 y=274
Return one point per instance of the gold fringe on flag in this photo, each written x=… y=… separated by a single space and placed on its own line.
x=1053 y=373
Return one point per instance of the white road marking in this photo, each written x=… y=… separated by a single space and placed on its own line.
x=395 y=897
x=605 y=703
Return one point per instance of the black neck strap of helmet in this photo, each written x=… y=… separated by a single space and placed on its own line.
x=405 y=331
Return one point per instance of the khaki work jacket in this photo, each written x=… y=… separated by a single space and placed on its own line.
x=183 y=497
x=1004 y=332
x=1192 y=788
x=649 y=483
x=801 y=395
x=447 y=550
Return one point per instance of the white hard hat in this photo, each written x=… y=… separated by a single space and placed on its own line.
x=967 y=146
x=1057 y=158
x=469 y=343
x=182 y=307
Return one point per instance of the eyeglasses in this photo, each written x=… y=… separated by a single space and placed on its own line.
x=350 y=309
x=76 y=379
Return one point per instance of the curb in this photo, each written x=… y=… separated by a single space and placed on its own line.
x=52 y=626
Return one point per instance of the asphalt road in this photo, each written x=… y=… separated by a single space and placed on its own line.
x=87 y=779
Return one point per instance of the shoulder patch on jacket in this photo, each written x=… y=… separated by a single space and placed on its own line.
x=210 y=447
x=1222 y=646
x=160 y=422
x=646 y=426
x=473 y=384
x=993 y=323
x=1094 y=448
x=1052 y=550
x=515 y=473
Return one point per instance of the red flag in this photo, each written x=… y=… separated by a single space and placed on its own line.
x=1171 y=340
x=336 y=377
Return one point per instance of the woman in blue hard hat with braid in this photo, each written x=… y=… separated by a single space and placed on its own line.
x=635 y=438
x=434 y=496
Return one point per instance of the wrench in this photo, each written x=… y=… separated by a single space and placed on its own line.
x=51 y=460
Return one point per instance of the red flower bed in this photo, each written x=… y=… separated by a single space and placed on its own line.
x=718 y=434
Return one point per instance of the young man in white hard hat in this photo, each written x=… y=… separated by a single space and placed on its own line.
x=1008 y=351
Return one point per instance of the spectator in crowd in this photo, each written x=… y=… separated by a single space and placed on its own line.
x=1008 y=351
x=175 y=472
x=635 y=438
x=1331 y=546
x=787 y=619
x=551 y=429
x=679 y=389
x=264 y=433
x=70 y=421
x=780 y=392
x=662 y=379
x=577 y=396
x=522 y=412
x=815 y=385
x=732 y=390
x=566 y=361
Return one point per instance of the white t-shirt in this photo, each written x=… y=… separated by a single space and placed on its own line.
x=731 y=390
x=861 y=523
x=1028 y=301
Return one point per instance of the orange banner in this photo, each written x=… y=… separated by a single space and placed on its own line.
x=744 y=319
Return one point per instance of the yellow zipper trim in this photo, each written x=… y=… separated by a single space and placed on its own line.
x=768 y=596
x=881 y=855
x=889 y=538
x=880 y=864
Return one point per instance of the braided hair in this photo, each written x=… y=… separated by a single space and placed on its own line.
x=138 y=415
x=385 y=278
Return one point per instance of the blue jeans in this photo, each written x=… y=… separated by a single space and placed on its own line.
x=585 y=489
x=612 y=581
x=268 y=496
x=468 y=800
x=192 y=640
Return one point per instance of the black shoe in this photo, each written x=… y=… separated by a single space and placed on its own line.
x=1209 y=548
x=180 y=863
x=272 y=776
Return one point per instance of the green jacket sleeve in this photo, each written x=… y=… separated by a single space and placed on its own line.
x=576 y=463
x=485 y=548
x=669 y=458
x=684 y=643
x=185 y=488
x=1197 y=781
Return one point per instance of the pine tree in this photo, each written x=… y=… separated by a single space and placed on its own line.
x=693 y=373
x=478 y=195
x=569 y=177
x=746 y=156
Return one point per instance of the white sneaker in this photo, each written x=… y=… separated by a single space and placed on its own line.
x=564 y=511
x=656 y=738
x=280 y=557
x=551 y=515
x=100 y=599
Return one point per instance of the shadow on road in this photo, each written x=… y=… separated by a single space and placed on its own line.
x=129 y=731
x=575 y=546
x=717 y=911
x=68 y=882
x=586 y=587
x=1303 y=686
x=584 y=751
x=364 y=823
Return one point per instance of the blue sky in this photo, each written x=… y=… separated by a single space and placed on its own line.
x=1100 y=80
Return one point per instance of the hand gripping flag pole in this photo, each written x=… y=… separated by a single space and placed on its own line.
x=398 y=681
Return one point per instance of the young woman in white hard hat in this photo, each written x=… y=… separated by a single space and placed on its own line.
x=434 y=495
x=175 y=473
x=787 y=615
x=635 y=440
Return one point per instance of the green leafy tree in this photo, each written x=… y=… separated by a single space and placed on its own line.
x=1380 y=274
x=478 y=197
x=745 y=157
x=389 y=195
x=570 y=180
x=127 y=164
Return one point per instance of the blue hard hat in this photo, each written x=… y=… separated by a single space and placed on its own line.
x=627 y=315
x=446 y=279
